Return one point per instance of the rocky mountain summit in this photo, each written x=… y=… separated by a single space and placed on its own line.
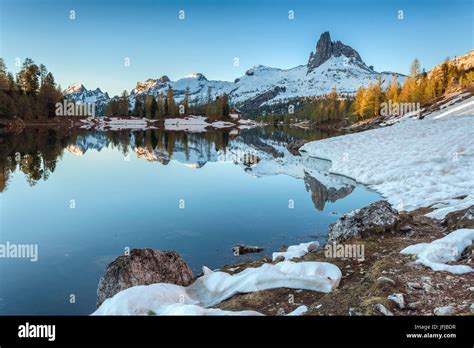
x=325 y=49
x=81 y=95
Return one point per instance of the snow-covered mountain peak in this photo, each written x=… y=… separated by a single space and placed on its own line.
x=81 y=95
x=75 y=87
x=198 y=76
x=332 y=64
x=325 y=49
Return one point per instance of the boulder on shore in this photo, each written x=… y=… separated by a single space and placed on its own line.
x=376 y=218
x=143 y=267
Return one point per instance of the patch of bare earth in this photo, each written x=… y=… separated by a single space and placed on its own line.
x=367 y=283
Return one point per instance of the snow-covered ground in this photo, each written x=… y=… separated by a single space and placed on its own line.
x=191 y=124
x=440 y=251
x=214 y=287
x=117 y=123
x=222 y=124
x=295 y=251
x=194 y=124
x=414 y=163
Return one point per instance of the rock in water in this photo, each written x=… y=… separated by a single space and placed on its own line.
x=376 y=218
x=143 y=267
x=241 y=249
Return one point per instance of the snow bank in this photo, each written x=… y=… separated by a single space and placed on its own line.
x=215 y=287
x=194 y=124
x=436 y=254
x=298 y=311
x=463 y=108
x=414 y=163
x=296 y=251
x=117 y=123
x=222 y=124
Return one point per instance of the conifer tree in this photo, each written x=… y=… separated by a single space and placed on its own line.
x=159 y=106
x=123 y=107
x=209 y=112
x=165 y=107
x=148 y=102
x=225 y=106
x=415 y=68
x=138 y=110
x=153 y=107
x=172 y=111
x=392 y=91
x=28 y=77
x=186 y=102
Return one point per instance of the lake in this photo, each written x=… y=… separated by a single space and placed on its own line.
x=85 y=197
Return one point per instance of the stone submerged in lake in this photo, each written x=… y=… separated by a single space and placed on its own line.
x=143 y=267
x=378 y=217
x=242 y=249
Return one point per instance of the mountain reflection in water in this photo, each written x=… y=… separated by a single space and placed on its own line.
x=37 y=151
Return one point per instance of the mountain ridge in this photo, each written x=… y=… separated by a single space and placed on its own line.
x=332 y=64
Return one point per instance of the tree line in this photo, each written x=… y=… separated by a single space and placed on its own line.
x=419 y=87
x=330 y=109
x=32 y=94
x=165 y=106
x=334 y=108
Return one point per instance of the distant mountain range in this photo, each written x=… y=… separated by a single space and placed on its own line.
x=332 y=64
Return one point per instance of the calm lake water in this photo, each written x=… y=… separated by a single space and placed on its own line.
x=84 y=197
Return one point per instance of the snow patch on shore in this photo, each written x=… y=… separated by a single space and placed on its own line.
x=436 y=254
x=299 y=311
x=414 y=163
x=295 y=251
x=215 y=287
x=117 y=123
x=192 y=124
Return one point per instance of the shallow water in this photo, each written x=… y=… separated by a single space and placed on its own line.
x=84 y=197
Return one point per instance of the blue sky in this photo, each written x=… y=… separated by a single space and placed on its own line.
x=92 y=48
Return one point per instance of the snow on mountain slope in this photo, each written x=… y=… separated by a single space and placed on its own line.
x=346 y=74
x=332 y=64
x=197 y=85
x=81 y=95
x=273 y=85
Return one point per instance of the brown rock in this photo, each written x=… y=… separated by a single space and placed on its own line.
x=459 y=219
x=143 y=267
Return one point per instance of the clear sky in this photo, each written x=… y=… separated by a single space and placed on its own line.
x=92 y=48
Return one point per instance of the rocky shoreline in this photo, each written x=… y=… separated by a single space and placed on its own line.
x=381 y=281
x=375 y=285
